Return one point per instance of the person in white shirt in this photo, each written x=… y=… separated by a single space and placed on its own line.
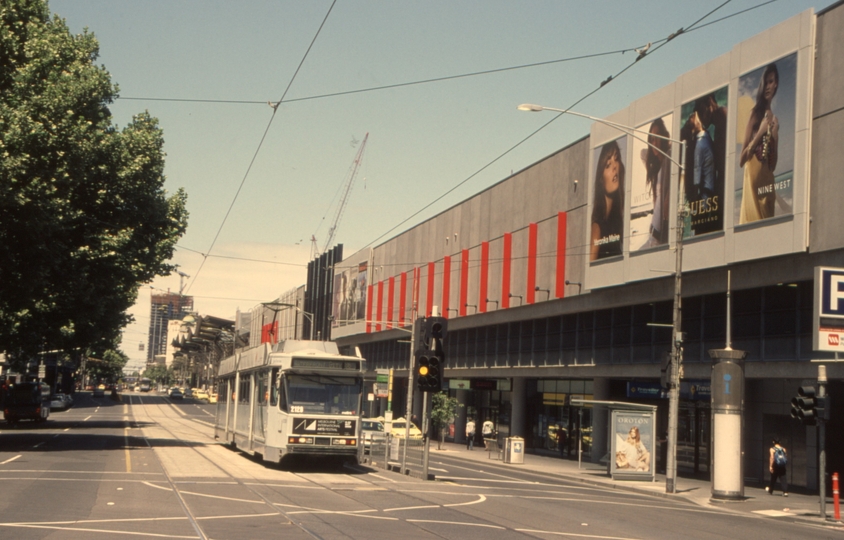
x=470 y=434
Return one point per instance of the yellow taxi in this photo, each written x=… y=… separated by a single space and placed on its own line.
x=400 y=427
x=212 y=398
x=200 y=395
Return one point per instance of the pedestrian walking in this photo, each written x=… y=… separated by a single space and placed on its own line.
x=777 y=462
x=562 y=442
x=470 y=434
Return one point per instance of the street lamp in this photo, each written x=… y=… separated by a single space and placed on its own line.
x=310 y=316
x=676 y=333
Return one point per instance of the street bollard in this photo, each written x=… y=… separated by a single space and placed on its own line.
x=835 y=497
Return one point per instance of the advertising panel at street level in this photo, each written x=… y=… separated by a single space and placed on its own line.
x=632 y=455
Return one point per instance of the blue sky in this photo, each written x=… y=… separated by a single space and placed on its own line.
x=424 y=139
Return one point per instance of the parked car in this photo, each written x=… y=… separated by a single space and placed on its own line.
x=400 y=427
x=372 y=430
x=175 y=393
x=187 y=392
x=201 y=395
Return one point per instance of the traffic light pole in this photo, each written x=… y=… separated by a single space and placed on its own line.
x=417 y=328
x=822 y=439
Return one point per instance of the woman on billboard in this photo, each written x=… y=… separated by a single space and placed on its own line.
x=608 y=206
x=759 y=152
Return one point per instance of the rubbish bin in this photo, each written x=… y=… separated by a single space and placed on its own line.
x=514 y=450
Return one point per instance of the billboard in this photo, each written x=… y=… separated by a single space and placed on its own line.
x=349 y=302
x=765 y=128
x=650 y=185
x=633 y=447
x=704 y=130
x=607 y=228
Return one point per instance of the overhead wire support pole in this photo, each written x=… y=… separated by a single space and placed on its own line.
x=676 y=333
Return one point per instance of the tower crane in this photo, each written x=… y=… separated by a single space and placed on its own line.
x=349 y=183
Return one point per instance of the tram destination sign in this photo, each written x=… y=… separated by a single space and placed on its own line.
x=323 y=426
x=828 y=320
x=325 y=364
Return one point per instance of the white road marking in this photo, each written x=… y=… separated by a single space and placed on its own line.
x=435 y=469
x=410 y=508
x=159 y=487
x=578 y=535
x=39 y=444
x=220 y=497
x=484 y=525
x=88 y=417
x=11 y=459
x=93 y=530
x=481 y=499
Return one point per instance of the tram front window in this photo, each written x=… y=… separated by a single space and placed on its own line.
x=322 y=394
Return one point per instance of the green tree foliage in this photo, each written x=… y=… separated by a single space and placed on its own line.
x=107 y=368
x=443 y=409
x=85 y=217
x=159 y=373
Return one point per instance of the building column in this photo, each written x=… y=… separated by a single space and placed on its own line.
x=600 y=419
x=463 y=398
x=518 y=406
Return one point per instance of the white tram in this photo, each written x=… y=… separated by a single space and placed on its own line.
x=294 y=397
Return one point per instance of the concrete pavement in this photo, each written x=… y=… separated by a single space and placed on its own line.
x=801 y=506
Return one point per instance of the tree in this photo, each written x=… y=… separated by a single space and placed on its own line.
x=443 y=409
x=86 y=219
x=159 y=373
x=107 y=368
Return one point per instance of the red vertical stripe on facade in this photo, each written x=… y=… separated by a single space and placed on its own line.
x=530 y=293
x=446 y=285
x=369 y=291
x=561 y=255
x=417 y=280
x=505 y=270
x=429 y=296
x=390 y=297
x=380 y=305
x=464 y=281
x=402 y=297
x=484 y=271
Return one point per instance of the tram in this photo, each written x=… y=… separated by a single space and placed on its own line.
x=289 y=398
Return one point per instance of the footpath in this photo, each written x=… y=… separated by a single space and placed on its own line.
x=798 y=505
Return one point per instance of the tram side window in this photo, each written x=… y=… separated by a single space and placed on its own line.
x=243 y=391
x=274 y=387
x=282 y=393
x=263 y=390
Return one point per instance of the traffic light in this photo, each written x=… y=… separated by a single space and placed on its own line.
x=429 y=371
x=435 y=330
x=430 y=356
x=803 y=406
x=665 y=371
x=822 y=406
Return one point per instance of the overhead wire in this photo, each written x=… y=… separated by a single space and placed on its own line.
x=261 y=143
x=661 y=43
x=445 y=77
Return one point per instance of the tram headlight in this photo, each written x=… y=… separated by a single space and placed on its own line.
x=345 y=442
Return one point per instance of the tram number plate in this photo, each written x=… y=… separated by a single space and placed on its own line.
x=323 y=426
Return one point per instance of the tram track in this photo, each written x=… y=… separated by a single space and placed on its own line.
x=394 y=490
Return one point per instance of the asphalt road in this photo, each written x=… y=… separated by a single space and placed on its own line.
x=149 y=467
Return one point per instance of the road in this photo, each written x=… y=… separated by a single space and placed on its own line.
x=149 y=467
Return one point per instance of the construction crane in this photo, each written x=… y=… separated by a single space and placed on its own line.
x=347 y=190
